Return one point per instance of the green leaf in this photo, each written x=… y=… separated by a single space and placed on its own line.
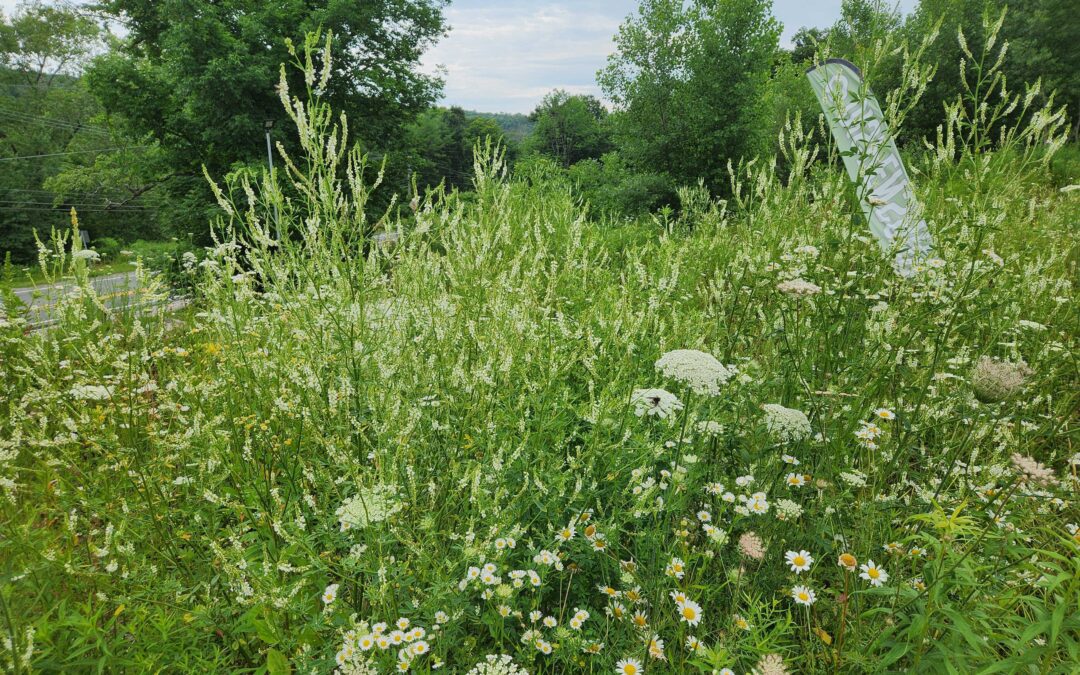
x=277 y=663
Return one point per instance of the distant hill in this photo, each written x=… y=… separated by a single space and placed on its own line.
x=515 y=125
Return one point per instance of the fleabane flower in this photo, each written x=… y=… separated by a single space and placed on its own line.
x=800 y=561
x=874 y=574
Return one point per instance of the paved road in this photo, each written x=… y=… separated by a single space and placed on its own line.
x=115 y=290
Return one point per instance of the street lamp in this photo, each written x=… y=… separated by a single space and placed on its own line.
x=268 y=125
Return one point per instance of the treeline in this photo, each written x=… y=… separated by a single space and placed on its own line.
x=120 y=128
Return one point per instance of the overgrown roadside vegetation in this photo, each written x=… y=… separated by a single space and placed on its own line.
x=525 y=441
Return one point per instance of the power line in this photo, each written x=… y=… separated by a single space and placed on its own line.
x=55 y=124
x=76 y=204
x=64 y=210
x=45 y=194
x=73 y=152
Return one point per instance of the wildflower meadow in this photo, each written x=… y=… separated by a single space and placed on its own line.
x=512 y=437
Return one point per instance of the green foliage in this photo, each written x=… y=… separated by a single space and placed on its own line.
x=342 y=434
x=55 y=143
x=688 y=82
x=515 y=126
x=570 y=128
x=198 y=79
x=441 y=142
x=612 y=188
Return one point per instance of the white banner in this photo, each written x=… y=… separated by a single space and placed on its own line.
x=872 y=162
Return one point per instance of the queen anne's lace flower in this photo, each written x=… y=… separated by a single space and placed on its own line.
x=89 y=392
x=995 y=381
x=787 y=425
x=371 y=505
x=697 y=370
x=501 y=664
x=798 y=288
x=655 y=402
x=770 y=664
x=1031 y=471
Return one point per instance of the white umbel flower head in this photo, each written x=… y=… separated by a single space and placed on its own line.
x=655 y=402
x=786 y=424
x=500 y=664
x=798 y=288
x=371 y=505
x=697 y=370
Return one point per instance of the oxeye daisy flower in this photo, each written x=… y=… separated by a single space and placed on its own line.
x=692 y=643
x=676 y=568
x=874 y=574
x=567 y=533
x=690 y=612
x=402 y=623
x=803 y=595
x=629 y=667
x=656 y=648
x=884 y=414
x=741 y=623
x=366 y=642
x=550 y=621
x=640 y=620
x=704 y=516
x=330 y=594
x=609 y=591
x=795 y=480
x=847 y=561
x=419 y=647
x=800 y=561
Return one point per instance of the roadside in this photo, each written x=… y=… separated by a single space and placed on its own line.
x=30 y=276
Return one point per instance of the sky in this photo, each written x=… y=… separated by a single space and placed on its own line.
x=505 y=55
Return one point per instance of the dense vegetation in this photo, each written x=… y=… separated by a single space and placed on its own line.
x=120 y=128
x=730 y=439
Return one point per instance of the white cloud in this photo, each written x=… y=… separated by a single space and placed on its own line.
x=506 y=58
